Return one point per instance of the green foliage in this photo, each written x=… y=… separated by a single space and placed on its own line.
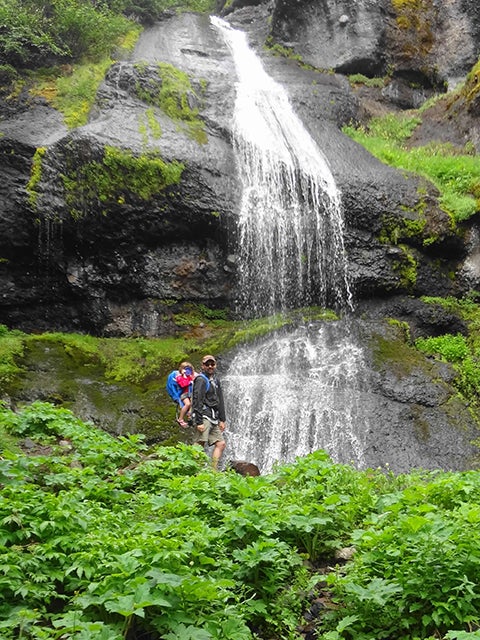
x=150 y=10
x=415 y=574
x=98 y=535
x=8 y=74
x=393 y=128
x=463 y=352
x=35 y=33
x=456 y=176
x=102 y=538
x=85 y=28
x=452 y=348
x=458 y=351
x=359 y=78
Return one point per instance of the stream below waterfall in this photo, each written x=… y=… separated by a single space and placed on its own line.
x=295 y=392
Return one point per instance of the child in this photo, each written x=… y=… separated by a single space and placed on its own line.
x=184 y=380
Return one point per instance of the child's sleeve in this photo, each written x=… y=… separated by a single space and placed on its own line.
x=183 y=381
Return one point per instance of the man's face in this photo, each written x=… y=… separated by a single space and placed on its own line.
x=209 y=367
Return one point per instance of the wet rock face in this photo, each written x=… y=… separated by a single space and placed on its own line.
x=342 y=35
x=424 y=42
x=113 y=223
x=91 y=241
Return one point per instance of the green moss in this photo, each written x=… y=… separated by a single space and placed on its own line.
x=395 y=354
x=403 y=328
x=412 y=225
x=121 y=381
x=35 y=176
x=360 y=79
x=11 y=351
x=153 y=123
x=472 y=85
x=116 y=178
x=174 y=94
x=277 y=49
x=148 y=125
x=284 y=52
x=143 y=130
x=414 y=20
x=421 y=423
x=406 y=268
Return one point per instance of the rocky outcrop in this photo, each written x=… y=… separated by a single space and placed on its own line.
x=112 y=228
x=422 y=43
x=105 y=227
x=105 y=245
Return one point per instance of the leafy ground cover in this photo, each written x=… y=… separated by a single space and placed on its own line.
x=102 y=538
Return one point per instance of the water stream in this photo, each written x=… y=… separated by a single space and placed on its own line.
x=297 y=391
x=290 y=217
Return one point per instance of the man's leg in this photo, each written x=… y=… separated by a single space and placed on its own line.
x=217 y=453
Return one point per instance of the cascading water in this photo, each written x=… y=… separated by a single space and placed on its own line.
x=290 y=220
x=295 y=392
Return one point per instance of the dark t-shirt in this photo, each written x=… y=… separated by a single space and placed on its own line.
x=207 y=403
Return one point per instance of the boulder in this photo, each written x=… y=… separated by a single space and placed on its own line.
x=425 y=43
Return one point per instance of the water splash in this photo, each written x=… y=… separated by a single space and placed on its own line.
x=298 y=391
x=290 y=219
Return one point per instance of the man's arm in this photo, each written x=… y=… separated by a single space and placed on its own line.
x=221 y=403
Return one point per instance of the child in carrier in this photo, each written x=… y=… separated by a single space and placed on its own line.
x=184 y=379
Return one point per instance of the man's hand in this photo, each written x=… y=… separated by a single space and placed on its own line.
x=201 y=427
x=221 y=426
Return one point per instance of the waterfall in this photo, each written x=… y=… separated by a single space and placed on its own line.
x=294 y=394
x=297 y=391
x=290 y=219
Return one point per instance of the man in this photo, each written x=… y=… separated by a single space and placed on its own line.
x=208 y=409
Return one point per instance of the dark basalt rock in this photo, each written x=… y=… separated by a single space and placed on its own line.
x=117 y=264
x=426 y=45
x=109 y=262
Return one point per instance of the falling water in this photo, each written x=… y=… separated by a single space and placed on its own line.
x=290 y=220
x=296 y=392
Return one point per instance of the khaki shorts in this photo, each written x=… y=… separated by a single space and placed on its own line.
x=211 y=434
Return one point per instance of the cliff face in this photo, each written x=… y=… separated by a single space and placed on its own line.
x=114 y=227
x=423 y=42
x=104 y=228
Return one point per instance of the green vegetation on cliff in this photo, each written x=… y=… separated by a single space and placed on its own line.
x=457 y=176
x=36 y=34
x=461 y=351
x=175 y=96
x=139 y=360
x=119 y=175
x=104 y=539
x=61 y=50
